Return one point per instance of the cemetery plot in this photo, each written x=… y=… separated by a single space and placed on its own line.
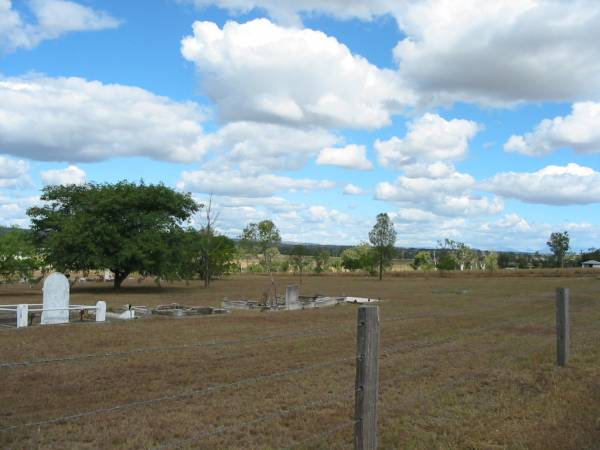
x=470 y=370
x=55 y=308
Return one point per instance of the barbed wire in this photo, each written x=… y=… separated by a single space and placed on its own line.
x=239 y=425
x=173 y=397
x=324 y=434
x=141 y=350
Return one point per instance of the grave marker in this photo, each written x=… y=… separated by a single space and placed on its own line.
x=291 y=297
x=56 y=297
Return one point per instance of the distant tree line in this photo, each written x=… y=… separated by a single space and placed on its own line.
x=145 y=229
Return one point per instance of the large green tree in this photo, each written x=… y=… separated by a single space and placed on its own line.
x=212 y=254
x=262 y=239
x=209 y=256
x=125 y=227
x=383 y=238
x=559 y=244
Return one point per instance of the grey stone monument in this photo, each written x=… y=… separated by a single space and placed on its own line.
x=101 y=311
x=291 y=297
x=56 y=297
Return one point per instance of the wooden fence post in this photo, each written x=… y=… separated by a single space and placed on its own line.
x=562 y=326
x=367 y=378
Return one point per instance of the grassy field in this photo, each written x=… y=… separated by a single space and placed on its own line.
x=466 y=363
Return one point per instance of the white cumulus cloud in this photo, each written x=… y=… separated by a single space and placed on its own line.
x=287 y=11
x=553 y=185
x=349 y=157
x=500 y=52
x=580 y=130
x=297 y=76
x=75 y=120
x=451 y=195
x=238 y=185
x=14 y=173
x=53 y=18
x=68 y=175
x=429 y=138
x=352 y=189
x=255 y=147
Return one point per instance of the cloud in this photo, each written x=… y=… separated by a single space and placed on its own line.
x=14 y=173
x=318 y=213
x=235 y=184
x=349 y=157
x=287 y=11
x=414 y=215
x=254 y=147
x=297 y=76
x=53 y=18
x=77 y=120
x=13 y=209
x=450 y=195
x=69 y=175
x=553 y=185
x=501 y=52
x=429 y=138
x=580 y=130
x=492 y=52
x=351 y=189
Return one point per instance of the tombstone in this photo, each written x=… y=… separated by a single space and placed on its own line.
x=22 y=316
x=291 y=297
x=56 y=297
x=101 y=311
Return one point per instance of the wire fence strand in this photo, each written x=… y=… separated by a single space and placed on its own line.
x=179 y=396
x=240 y=425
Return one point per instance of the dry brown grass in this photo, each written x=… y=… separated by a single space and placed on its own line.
x=466 y=363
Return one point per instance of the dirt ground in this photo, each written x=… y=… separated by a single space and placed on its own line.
x=465 y=363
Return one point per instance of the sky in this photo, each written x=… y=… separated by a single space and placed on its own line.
x=461 y=119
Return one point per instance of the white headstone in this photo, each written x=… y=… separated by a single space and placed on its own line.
x=291 y=297
x=56 y=297
x=22 y=316
x=101 y=311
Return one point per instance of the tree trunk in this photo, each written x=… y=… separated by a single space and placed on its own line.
x=206 y=273
x=119 y=278
x=380 y=267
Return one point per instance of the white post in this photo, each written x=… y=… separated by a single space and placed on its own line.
x=291 y=297
x=22 y=316
x=101 y=311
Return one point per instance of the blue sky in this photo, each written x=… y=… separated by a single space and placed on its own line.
x=476 y=122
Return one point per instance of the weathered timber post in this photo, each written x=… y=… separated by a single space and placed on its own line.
x=563 y=331
x=367 y=378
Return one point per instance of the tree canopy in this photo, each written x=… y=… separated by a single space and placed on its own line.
x=125 y=227
x=262 y=239
x=18 y=255
x=559 y=244
x=361 y=257
x=383 y=238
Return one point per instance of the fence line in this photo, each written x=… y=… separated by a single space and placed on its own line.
x=141 y=350
x=400 y=349
x=319 y=436
x=239 y=425
x=190 y=393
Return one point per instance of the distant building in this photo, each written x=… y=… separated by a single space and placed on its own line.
x=591 y=264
